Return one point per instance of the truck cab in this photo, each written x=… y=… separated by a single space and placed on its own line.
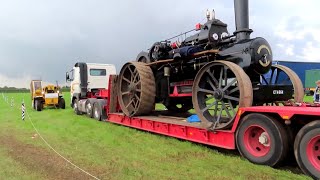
x=87 y=79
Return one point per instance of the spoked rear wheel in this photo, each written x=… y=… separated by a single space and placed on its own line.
x=136 y=89
x=283 y=76
x=219 y=89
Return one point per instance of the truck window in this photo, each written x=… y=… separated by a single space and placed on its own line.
x=98 y=72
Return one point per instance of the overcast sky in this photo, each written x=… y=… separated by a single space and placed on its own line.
x=44 y=38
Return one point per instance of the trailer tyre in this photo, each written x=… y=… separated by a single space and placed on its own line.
x=96 y=111
x=262 y=140
x=75 y=107
x=307 y=149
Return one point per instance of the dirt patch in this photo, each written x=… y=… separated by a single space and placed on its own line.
x=42 y=161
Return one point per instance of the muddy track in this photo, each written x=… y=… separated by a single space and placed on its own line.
x=42 y=161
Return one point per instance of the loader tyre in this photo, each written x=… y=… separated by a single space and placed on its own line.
x=38 y=104
x=62 y=103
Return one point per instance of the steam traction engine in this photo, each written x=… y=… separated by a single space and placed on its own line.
x=211 y=71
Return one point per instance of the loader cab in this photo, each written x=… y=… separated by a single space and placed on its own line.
x=88 y=77
x=36 y=88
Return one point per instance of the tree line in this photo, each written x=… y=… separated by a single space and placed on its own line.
x=7 y=89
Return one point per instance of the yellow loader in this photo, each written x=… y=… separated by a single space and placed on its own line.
x=45 y=96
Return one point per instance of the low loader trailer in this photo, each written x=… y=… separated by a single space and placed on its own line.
x=265 y=135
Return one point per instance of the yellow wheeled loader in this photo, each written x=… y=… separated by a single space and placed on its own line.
x=46 y=96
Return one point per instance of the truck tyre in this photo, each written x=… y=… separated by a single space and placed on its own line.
x=89 y=108
x=38 y=105
x=62 y=103
x=307 y=149
x=75 y=107
x=97 y=111
x=262 y=140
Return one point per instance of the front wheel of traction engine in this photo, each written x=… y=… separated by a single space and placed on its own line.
x=307 y=149
x=219 y=89
x=262 y=140
x=136 y=89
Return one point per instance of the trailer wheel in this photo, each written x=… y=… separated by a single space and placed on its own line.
x=75 y=107
x=96 y=111
x=262 y=140
x=61 y=103
x=38 y=105
x=307 y=149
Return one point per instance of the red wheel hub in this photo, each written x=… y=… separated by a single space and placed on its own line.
x=313 y=152
x=257 y=140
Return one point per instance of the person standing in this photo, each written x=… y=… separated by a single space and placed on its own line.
x=316 y=96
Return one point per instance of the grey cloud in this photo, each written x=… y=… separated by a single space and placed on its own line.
x=44 y=38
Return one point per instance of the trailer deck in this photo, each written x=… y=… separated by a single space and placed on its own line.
x=178 y=128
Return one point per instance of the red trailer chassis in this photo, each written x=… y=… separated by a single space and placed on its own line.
x=262 y=134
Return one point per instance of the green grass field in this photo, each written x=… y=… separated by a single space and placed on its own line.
x=110 y=151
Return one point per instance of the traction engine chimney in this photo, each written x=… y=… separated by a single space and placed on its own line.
x=241 y=12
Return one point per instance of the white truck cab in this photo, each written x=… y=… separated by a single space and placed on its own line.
x=88 y=77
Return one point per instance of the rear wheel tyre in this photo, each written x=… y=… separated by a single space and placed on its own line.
x=307 y=149
x=262 y=140
x=137 y=89
x=96 y=111
x=75 y=107
x=62 y=103
x=38 y=105
x=89 y=109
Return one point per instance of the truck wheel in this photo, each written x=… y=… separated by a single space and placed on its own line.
x=96 y=111
x=262 y=140
x=89 y=108
x=38 y=105
x=62 y=103
x=75 y=107
x=307 y=149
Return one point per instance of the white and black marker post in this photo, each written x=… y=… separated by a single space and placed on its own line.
x=22 y=110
